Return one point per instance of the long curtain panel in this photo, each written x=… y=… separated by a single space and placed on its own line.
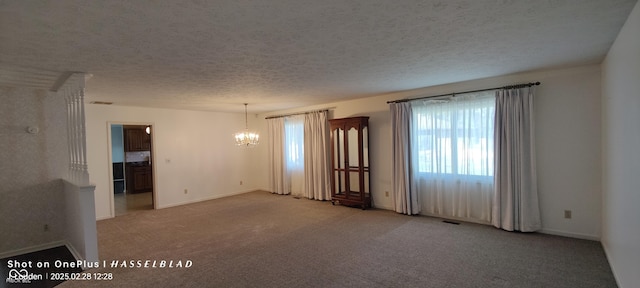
x=452 y=156
x=316 y=157
x=406 y=200
x=278 y=176
x=294 y=153
x=515 y=203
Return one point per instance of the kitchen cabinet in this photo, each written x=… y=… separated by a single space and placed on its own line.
x=139 y=178
x=350 y=162
x=136 y=139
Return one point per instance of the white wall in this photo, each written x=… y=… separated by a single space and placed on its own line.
x=621 y=159
x=81 y=234
x=31 y=169
x=193 y=150
x=568 y=142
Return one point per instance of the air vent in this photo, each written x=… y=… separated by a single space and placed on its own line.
x=101 y=103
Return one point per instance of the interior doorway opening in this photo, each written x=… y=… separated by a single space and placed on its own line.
x=132 y=179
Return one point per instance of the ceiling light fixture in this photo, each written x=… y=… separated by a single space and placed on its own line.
x=247 y=138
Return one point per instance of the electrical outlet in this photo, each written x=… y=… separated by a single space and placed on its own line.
x=186 y=191
x=386 y=193
x=567 y=214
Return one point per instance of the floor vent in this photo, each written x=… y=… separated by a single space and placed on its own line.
x=451 y=222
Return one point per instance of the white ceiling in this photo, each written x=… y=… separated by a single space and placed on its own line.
x=280 y=54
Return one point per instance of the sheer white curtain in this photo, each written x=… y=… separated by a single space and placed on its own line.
x=452 y=156
x=294 y=153
x=515 y=203
x=279 y=182
x=316 y=156
x=406 y=200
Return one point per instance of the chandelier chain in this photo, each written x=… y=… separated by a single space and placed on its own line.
x=246 y=119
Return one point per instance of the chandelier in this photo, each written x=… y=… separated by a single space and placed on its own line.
x=247 y=138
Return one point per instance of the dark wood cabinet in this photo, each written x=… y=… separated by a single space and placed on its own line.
x=350 y=162
x=139 y=176
x=136 y=139
x=139 y=179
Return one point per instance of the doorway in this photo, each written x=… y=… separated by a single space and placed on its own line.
x=132 y=179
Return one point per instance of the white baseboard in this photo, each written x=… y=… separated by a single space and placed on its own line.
x=34 y=248
x=205 y=199
x=383 y=207
x=73 y=251
x=613 y=268
x=190 y=202
x=105 y=217
x=41 y=247
x=569 y=234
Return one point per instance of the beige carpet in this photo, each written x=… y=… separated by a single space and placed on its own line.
x=259 y=239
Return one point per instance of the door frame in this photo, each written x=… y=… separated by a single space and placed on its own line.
x=110 y=162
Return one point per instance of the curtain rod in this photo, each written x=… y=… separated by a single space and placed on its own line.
x=293 y=114
x=522 y=85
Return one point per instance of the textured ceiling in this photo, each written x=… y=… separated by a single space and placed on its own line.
x=279 y=54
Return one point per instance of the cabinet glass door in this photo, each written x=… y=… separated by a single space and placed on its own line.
x=354 y=165
x=365 y=155
x=339 y=159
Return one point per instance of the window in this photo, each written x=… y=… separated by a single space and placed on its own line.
x=454 y=137
x=294 y=142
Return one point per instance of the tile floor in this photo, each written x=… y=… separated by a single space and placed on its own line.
x=126 y=203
